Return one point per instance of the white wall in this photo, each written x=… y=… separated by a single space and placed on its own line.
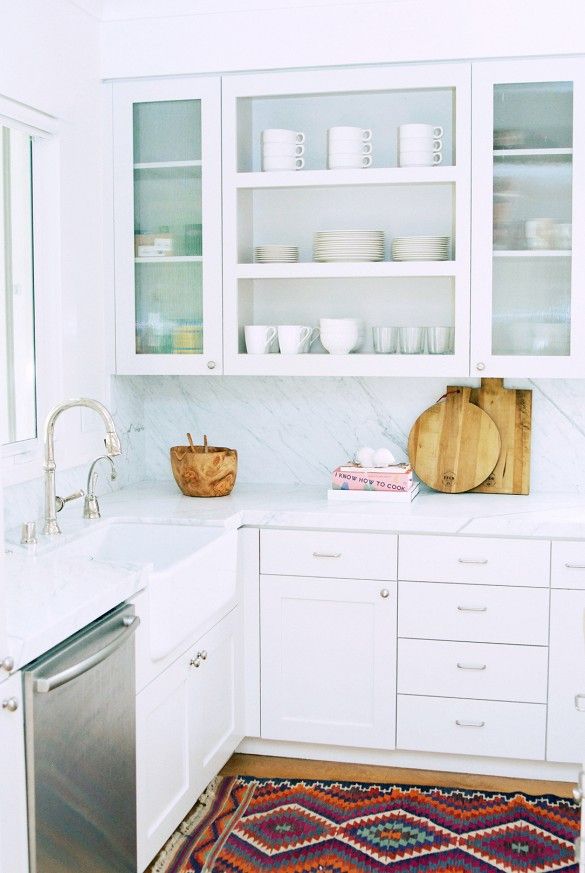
x=50 y=61
x=179 y=41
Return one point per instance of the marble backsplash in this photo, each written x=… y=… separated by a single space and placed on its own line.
x=295 y=430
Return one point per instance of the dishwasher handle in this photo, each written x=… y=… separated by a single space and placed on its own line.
x=47 y=683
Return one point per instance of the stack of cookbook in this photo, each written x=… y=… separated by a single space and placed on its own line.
x=386 y=484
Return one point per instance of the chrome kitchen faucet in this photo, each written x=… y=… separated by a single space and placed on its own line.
x=112 y=443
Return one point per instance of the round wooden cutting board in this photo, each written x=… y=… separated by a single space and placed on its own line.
x=454 y=446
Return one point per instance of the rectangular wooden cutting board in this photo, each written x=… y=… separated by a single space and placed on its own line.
x=511 y=410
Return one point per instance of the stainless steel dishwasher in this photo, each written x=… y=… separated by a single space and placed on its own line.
x=80 y=751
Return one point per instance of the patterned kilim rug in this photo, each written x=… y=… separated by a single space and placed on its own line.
x=244 y=825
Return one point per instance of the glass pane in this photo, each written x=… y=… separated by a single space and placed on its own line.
x=532 y=211
x=17 y=366
x=167 y=212
x=167 y=131
x=169 y=308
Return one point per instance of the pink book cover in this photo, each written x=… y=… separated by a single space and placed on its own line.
x=359 y=479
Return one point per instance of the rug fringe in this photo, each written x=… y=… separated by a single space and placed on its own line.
x=162 y=859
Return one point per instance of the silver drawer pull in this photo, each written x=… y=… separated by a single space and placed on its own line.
x=472 y=560
x=472 y=608
x=574 y=566
x=475 y=724
x=580 y=702
x=471 y=666
x=327 y=554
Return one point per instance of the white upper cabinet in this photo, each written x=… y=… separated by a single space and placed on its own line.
x=290 y=206
x=167 y=204
x=528 y=132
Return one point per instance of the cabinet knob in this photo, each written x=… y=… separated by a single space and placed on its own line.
x=384 y=593
x=480 y=365
x=202 y=655
x=195 y=662
x=211 y=365
x=580 y=702
x=10 y=704
x=7 y=664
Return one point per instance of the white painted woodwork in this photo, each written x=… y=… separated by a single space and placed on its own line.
x=289 y=207
x=475 y=560
x=473 y=613
x=125 y=95
x=502 y=730
x=328 y=660
x=189 y=720
x=334 y=554
x=13 y=819
x=566 y=700
x=483 y=671
x=568 y=564
x=485 y=77
x=249 y=581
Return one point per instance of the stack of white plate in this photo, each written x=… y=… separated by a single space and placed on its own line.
x=349 y=245
x=420 y=248
x=276 y=254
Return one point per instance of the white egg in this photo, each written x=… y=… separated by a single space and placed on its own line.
x=365 y=456
x=383 y=458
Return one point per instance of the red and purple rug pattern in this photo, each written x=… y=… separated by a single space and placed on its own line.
x=295 y=826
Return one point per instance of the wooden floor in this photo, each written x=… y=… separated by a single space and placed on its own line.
x=295 y=768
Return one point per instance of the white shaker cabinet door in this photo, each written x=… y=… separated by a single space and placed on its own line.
x=328 y=661
x=566 y=703
x=13 y=826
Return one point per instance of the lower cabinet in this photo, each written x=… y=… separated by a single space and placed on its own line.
x=328 y=660
x=189 y=721
x=13 y=816
x=566 y=703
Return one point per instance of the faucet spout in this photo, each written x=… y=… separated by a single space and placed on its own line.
x=112 y=443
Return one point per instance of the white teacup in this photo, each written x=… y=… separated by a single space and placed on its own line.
x=259 y=338
x=296 y=339
x=345 y=147
x=282 y=162
x=430 y=130
x=280 y=134
x=358 y=134
x=420 y=142
x=346 y=161
x=419 y=158
x=274 y=149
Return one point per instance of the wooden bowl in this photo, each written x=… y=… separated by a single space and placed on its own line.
x=204 y=471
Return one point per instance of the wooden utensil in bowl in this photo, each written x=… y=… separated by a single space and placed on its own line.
x=204 y=471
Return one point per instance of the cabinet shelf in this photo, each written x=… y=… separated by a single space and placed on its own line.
x=329 y=178
x=342 y=270
x=166 y=165
x=532 y=253
x=170 y=259
x=531 y=153
x=357 y=364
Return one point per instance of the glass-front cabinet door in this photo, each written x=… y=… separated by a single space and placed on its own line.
x=167 y=183
x=528 y=219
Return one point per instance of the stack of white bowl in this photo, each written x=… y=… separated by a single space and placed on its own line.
x=349 y=148
x=282 y=149
x=340 y=336
x=348 y=245
x=276 y=254
x=420 y=248
x=420 y=145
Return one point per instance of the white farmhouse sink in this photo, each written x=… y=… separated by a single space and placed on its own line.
x=191 y=572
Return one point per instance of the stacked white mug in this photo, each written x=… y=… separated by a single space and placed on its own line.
x=420 y=145
x=349 y=148
x=282 y=149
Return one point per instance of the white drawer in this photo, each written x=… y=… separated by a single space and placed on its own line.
x=333 y=554
x=474 y=560
x=483 y=671
x=473 y=613
x=568 y=565
x=471 y=727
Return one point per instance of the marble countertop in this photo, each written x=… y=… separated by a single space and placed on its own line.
x=542 y=516
x=49 y=597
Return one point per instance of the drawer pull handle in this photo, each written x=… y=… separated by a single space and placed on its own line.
x=472 y=608
x=474 y=724
x=471 y=666
x=574 y=566
x=327 y=554
x=580 y=702
x=472 y=560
